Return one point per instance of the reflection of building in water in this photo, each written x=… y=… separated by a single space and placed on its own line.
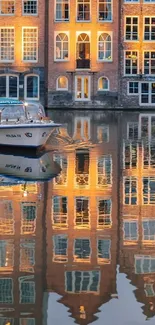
x=21 y=287
x=82 y=218
x=137 y=253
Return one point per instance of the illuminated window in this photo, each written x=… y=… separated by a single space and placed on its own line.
x=82 y=281
x=30 y=7
x=31 y=84
x=104 y=213
x=147 y=127
x=132 y=130
x=60 y=243
x=9 y=86
x=6 y=255
x=148 y=155
x=130 y=155
x=144 y=264
x=27 y=290
x=27 y=255
x=62 y=83
x=59 y=212
x=62 y=10
x=149 y=229
x=104 y=10
x=133 y=88
x=82 y=128
x=28 y=219
x=103 y=84
x=82 y=88
x=131 y=63
x=83 y=10
x=104 y=255
x=7 y=7
x=82 y=168
x=149 y=63
x=6 y=320
x=104 y=169
x=82 y=250
x=6 y=291
x=83 y=51
x=61 y=179
x=130 y=190
x=61 y=46
x=131 y=28
x=6 y=218
x=103 y=133
x=149 y=28
x=104 y=47
x=30 y=44
x=149 y=290
x=82 y=212
x=148 y=190
x=147 y=93
x=7 y=39
x=130 y=230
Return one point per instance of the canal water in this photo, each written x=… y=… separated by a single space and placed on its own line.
x=80 y=246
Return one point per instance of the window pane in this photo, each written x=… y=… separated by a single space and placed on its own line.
x=3 y=86
x=32 y=87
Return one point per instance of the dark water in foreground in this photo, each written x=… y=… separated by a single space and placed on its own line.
x=80 y=248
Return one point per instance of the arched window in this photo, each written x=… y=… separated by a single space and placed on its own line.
x=83 y=51
x=104 y=47
x=9 y=86
x=103 y=84
x=61 y=47
x=62 y=83
x=31 y=87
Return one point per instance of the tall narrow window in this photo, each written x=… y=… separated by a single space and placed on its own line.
x=149 y=63
x=7 y=7
x=104 y=10
x=27 y=290
x=82 y=250
x=83 y=10
x=132 y=130
x=7 y=38
x=130 y=190
x=82 y=88
x=148 y=190
x=60 y=243
x=148 y=155
x=9 y=86
x=82 y=212
x=104 y=47
x=62 y=10
x=130 y=155
x=61 y=179
x=104 y=168
x=6 y=291
x=27 y=255
x=131 y=29
x=82 y=128
x=103 y=133
x=131 y=63
x=104 y=213
x=6 y=218
x=30 y=44
x=83 y=51
x=149 y=28
x=59 y=212
x=30 y=7
x=104 y=255
x=6 y=255
x=61 y=47
x=31 y=87
x=82 y=168
x=147 y=126
x=28 y=219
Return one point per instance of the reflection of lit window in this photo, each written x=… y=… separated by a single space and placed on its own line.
x=147 y=126
x=148 y=190
x=104 y=255
x=130 y=229
x=82 y=168
x=61 y=179
x=148 y=155
x=27 y=255
x=60 y=243
x=82 y=128
x=149 y=229
x=27 y=290
x=6 y=291
x=132 y=131
x=130 y=155
x=104 y=213
x=82 y=250
x=103 y=133
x=82 y=281
x=144 y=264
x=59 y=212
x=6 y=218
x=82 y=212
x=104 y=168
x=149 y=290
x=130 y=190
x=28 y=220
x=6 y=255
x=6 y=321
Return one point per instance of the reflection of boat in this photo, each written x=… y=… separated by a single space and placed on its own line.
x=24 y=124
x=19 y=167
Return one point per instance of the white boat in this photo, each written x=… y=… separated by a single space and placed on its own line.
x=15 y=168
x=24 y=124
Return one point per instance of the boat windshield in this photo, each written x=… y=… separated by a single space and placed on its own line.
x=34 y=110
x=12 y=111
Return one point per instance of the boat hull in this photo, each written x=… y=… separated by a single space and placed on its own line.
x=26 y=135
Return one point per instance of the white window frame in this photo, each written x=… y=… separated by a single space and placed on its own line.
x=149 y=94
x=144 y=239
x=82 y=225
x=128 y=87
x=110 y=33
x=128 y=75
x=7 y=27
x=55 y=35
x=29 y=27
x=81 y=282
x=149 y=59
x=103 y=174
x=29 y=280
x=149 y=117
x=82 y=89
x=7 y=84
x=82 y=120
x=130 y=144
x=60 y=214
x=27 y=246
x=60 y=159
x=61 y=20
x=130 y=178
x=57 y=82
x=142 y=258
x=149 y=178
x=131 y=40
x=60 y=258
x=108 y=20
x=25 y=86
x=150 y=25
x=90 y=12
x=9 y=14
x=105 y=215
x=32 y=225
x=11 y=296
x=82 y=260
x=103 y=77
x=29 y=14
x=104 y=260
x=130 y=239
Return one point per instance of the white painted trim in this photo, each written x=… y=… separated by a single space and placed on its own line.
x=82 y=88
x=29 y=27
x=29 y=14
x=25 y=86
x=61 y=89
